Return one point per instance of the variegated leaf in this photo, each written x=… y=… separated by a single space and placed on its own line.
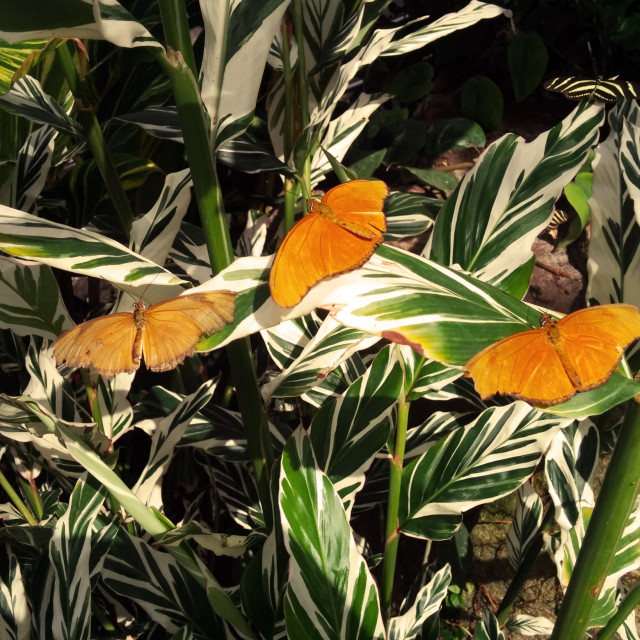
x=466 y=17
x=614 y=246
x=28 y=99
x=488 y=628
x=525 y=525
x=330 y=593
x=15 y=614
x=478 y=463
x=30 y=172
x=408 y=625
x=233 y=66
x=152 y=234
x=83 y=19
x=489 y=223
x=348 y=431
x=319 y=364
x=30 y=303
x=70 y=552
x=165 y=434
x=160 y=585
x=529 y=625
x=570 y=465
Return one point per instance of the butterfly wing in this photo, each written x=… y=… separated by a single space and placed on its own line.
x=594 y=340
x=106 y=343
x=323 y=245
x=175 y=326
x=359 y=203
x=524 y=365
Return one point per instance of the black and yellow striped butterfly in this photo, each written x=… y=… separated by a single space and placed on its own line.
x=576 y=88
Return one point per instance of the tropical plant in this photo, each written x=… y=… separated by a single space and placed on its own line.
x=127 y=495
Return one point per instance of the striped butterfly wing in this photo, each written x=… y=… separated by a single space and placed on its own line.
x=175 y=326
x=577 y=88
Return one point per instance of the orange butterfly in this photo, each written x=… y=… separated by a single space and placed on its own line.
x=165 y=334
x=549 y=365
x=339 y=234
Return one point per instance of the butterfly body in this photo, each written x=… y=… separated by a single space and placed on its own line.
x=339 y=234
x=547 y=366
x=577 y=88
x=164 y=334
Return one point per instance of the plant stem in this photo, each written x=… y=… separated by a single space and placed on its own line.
x=17 y=501
x=392 y=533
x=206 y=187
x=625 y=609
x=608 y=520
x=95 y=139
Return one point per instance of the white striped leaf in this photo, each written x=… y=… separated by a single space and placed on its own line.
x=525 y=525
x=152 y=234
x=157 y=583
x=529 y=625
x=488 y=628
x=165 y=434
x=238 y=36
x=70 y=554
x=348 y=431
x=78 y=251
x=450 y=22
x=614 y=255
x=409 y=214
x=408 y=625
x=15 y=614
x=30 y=172
x=489 y=223
x=320 y=363
x=83 y=19
x=30 y=303
x=28 y=99
x=570 y=465
x=478 y=463
x=330 y=593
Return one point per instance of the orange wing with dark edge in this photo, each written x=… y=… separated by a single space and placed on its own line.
x=172 y=332
x=106 y=343
x=175 y=326
x=527 y=365
x=595 y=339
x=338 y=235
x=524 y=365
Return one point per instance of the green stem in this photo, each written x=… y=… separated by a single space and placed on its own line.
x=206 y=187
x=303 y=83
x=614 y=504
x=528 y=562
x=625 y=609
x=95 y=139
x=392 y=532
x=17 y=501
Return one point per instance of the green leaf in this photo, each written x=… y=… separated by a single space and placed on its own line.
x=412 y=83
x=330 y=592
x=527 y=58
x=482 y=101
x=455 y=133
x=442 y=180
x=409 y=214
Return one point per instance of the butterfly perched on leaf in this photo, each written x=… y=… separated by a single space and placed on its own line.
x=164 y=334
x=338 y=234
x=577 y=88
x=547 y=366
